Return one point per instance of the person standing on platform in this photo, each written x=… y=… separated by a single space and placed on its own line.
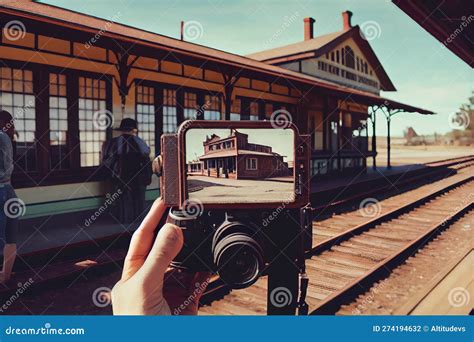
x=8 y=199
x=126 y=160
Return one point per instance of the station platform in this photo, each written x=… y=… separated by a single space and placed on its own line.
x=58 y=232
x=363 y=176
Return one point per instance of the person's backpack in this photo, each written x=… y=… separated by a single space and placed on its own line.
x=134 y=161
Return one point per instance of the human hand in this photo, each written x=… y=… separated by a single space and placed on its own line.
x=140 y=290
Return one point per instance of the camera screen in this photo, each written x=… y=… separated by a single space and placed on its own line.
x=253 y=165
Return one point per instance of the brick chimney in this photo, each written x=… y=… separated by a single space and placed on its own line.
x=308 y=28
x=346 y=20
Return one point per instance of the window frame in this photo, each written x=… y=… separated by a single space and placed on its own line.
x=34 y=86
x=44 y=175
x=248 y=162
x=155 y=116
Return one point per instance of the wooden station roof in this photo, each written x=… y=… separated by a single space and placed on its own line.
x=450 y=22
x=320 y=45
x=71 y=21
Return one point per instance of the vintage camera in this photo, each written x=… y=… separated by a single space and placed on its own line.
x=240 y=192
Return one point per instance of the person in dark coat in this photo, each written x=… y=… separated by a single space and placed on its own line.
x=126 y=160
x=11 y=208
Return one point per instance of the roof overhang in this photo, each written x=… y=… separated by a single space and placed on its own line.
x=52 y=20
x=450 y=22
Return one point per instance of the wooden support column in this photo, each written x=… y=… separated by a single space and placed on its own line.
x=374 y=140
x=158 y=118
x=388 y=115
x=41 y=91
x=339 y=139
x=180 y=105
x=123 y=69
x=229 y=83
x=201 y=99
x=72 y=93
x=388 y=141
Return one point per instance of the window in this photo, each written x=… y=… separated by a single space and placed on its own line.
x=170 y=121
x=190 y=106
x=349 y=57
x=254 y=110
x=319 y=167
x=16 y=97
x=251 y=163
x=145 y=115
x=92 y=116
x=332 y=56
x=337 y=56
x=58 y=122
x=316 y=129
x=213 y=108
x=236 y=110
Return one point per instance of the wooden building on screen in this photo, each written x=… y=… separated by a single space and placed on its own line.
x=235 y=157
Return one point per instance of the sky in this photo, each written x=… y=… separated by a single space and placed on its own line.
x=425 y=73
x=281 y=140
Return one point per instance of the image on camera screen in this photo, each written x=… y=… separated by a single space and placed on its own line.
x=253 y=165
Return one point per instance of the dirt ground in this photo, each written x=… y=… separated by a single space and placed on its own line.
x=222 y=190
x=401 y=154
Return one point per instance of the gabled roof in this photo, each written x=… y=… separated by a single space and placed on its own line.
x=318 y=46
x=296 y=48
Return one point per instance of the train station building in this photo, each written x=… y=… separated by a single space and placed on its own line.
x=235 y=157
x=69 y=78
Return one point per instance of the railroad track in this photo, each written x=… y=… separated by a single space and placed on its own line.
x=355 y=261
x=345 y=265
x=433 y=171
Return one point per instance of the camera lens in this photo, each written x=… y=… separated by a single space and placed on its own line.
x=237 y=254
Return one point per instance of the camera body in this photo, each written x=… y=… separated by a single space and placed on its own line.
x=240 y=191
